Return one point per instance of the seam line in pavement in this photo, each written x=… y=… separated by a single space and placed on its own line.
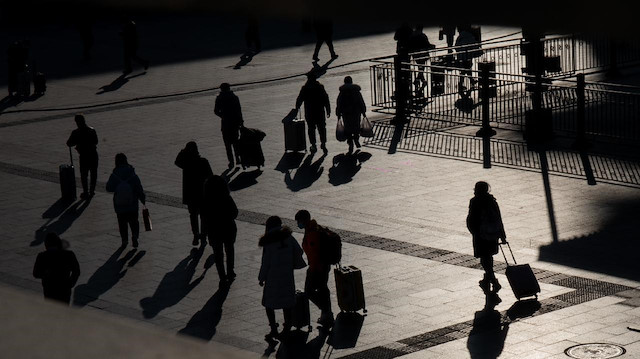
x=585 y=289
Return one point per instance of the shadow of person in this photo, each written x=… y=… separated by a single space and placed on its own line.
x=9 y=101
x=293 y=345
x=306 y=174
x=289 y=161
x=62 y=223
x=465 y=103
x=118 y=83
x=244 y=60
x=204 y=322
x=103 y=279
x=318 y=70
x=175 y=285
x=244 y=180
x=486 y=339
x=345 y=167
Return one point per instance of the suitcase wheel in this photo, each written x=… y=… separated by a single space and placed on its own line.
x=364 y=310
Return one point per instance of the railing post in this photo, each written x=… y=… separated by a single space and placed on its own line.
x=581 y=141
x=613 y=59
x=401 y=91
x=485 y=94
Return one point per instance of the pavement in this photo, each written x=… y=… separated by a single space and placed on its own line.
x=401 y=217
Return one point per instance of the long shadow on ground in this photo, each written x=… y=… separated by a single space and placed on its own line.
x=103 y=279
x=62 y=223
x=613 y=250
x=203 y=324
x=175 y=285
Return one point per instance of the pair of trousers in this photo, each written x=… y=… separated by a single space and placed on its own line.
x=487 y=265
x=88 y=165
x=230 y=138
x=132 y=54
x=194 y=213
x=315 y=286
x=286 y=312
x=322 y=131
x=319 y=42
x=223 y=244
x=125 y=220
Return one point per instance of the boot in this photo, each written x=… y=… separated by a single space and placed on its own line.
x=273 y=334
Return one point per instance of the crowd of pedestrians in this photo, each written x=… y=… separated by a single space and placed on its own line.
x=213 y=212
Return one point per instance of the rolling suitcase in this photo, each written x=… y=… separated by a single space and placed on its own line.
x=301 y=317
x=39 y=83
x=249 y=148
x=521 y=278
x=294 y=137
x=349 y=289
x=68 y=180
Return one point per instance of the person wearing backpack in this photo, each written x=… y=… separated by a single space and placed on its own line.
x=195 y=170
x=58 y=268
x=315 y=285
x=485 y=224
x=127 y=191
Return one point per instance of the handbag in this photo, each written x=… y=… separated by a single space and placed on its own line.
x=366 y=129
x=146 y=218
x=340 y=135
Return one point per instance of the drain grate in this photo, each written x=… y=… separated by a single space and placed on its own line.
x=595 y=351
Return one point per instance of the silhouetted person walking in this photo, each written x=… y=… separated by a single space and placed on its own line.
x=195 y=170
x=252 y=35
x=280 y=256
x=315 y=285
x=58 y=268
x=17 y=57
x=324 y=33
x=485 y=224
x=419 y=42
x=220 y=212
x=85 y=139
x=130 y=45
x=350 y=106
x=228 y=108
x=316 y=102
x=127 y=191
x=448 y=31
x=401 y=71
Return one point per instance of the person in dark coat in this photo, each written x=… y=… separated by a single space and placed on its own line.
x=130 y=45
x=281 y=254
x=324 y=33
x=316 y=102
x=220 y=211
x=485 y=224
x=419 y=42
x=228 y=108
x=350 y=106
x=317 y=279
x=195 y=170
x=127 y=191
x=58 y=268
x=85 y=139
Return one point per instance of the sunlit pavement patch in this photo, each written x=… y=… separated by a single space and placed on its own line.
x=595 y=351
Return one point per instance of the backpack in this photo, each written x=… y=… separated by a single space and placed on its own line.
x=123 y=195
x=330 y=246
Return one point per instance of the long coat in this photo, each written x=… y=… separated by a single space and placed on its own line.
x=350 y=105
x=220 y=214
x=126 y=173
x=195 y=170
x=479 y=206
x=316 y=101
x=279 y=253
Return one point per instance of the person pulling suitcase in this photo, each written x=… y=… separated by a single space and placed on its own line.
x=485 y=224
x=85 y=140
x=316 y=102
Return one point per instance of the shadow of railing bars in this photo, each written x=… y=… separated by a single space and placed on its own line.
x=602 y=167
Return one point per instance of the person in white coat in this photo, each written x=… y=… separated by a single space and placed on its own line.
x=281 y=254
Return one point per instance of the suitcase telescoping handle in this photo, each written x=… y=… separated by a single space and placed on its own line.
x=71 y=156
x=505 y=257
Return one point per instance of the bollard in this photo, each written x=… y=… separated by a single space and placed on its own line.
x=485 y=93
